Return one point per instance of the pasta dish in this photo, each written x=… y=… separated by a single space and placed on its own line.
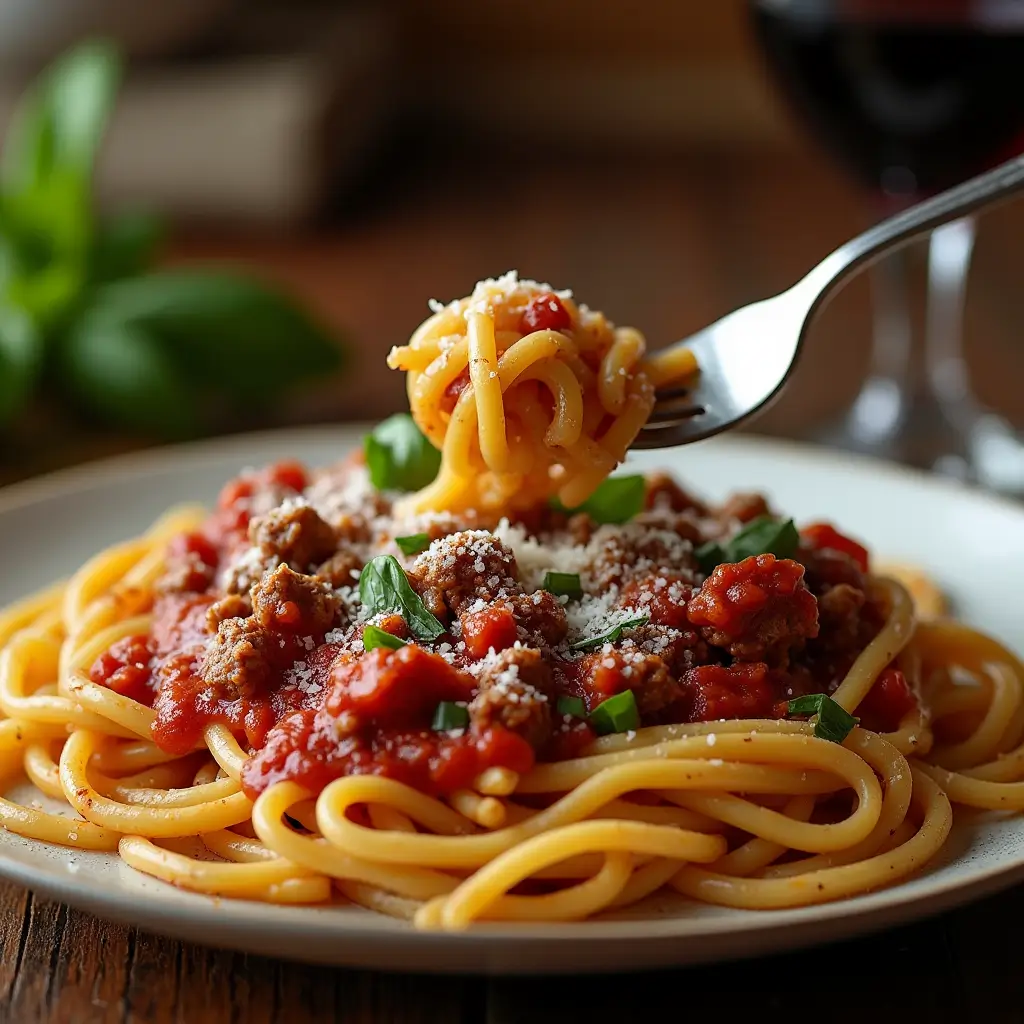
x=467 y=675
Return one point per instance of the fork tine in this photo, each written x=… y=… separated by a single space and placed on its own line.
x=669 y=394
x=669 y=417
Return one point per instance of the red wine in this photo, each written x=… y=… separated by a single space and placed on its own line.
x=910 y=97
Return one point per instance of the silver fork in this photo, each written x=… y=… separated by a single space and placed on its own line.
x=747 y=356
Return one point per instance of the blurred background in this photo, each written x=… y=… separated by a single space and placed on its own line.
x=667 y=161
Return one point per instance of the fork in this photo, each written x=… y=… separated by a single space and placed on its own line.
x=746 y=357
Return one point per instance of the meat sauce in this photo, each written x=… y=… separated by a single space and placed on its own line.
x=311 y=705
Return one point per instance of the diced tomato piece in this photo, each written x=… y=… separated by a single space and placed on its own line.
x=741 y=690
x=395 y=688
x=235 y=491
x=197 y=544
x=451 y=394
x=545 y=313
x=887 y=702
x=823 y=536
x=126 y=668
x=288 y=474
x=492 y=628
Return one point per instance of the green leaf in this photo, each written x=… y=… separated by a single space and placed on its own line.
x=573 y=706
x=384 y=590
x=59 y=122
x=124 y=377
x=398 y=456
x=833 y=723
x=616 y=714
x=449 y=715
x=413 y=544
x=616 y=500
x=611 y=636
x=565 y=584
x=764 y=535
x=125 y=246
x=232 y=334
x=21 y=356
x=374 y=636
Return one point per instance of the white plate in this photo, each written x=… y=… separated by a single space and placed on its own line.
x=972 y=543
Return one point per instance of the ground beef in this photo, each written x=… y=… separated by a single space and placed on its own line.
x=540 y=617
x=758 y=609
x=460 y=569
x=232 y=606
x=636 y=551
x=680 y=649
x=291 y=602
x=242 y=658
x=294 y=534
x=341 y=569
x=663 y=598
x=191 y=565
x=743 y=690
x=664 y=493
x=743 y=507
x=839 y=614
x=604 y=673
x=515 y=691
x=829 y=568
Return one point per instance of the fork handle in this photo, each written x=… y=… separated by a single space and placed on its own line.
x=1000 y=183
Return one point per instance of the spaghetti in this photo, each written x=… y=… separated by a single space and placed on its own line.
x=324 y=691
x=527 y=394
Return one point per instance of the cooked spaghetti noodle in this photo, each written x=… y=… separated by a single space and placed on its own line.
x=527 y=394
x=324 y=691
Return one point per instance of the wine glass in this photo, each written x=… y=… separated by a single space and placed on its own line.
x=911 y=98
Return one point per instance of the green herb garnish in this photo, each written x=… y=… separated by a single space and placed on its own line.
x=374 y=636
x=616 y=500
x=574 y=706
x=616 y=714
x=563 y=583
x=833 y=723
x=611 y=636
x=449 y=716
x=764 y=535
x=384 y=589
x=398 y=456
x=167 y=353
x=413 y=544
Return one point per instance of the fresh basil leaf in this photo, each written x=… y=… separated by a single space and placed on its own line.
x=124 y=377
x=125 y=246
x=833 y=723
x=384 y=589
x=616 y=714
x=449 y=715
x=764 y=535
x=565 y=584
x=573 y=706
x=21 y=357
x=413 y=544
x=611 y=636
x=709 y=555
x=239 y=338
x=398 y=456
x=59 y=122
x=615 y=501
x=374 y=636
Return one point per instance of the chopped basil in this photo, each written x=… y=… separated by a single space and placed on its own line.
x=413 y=544
x=384 y=589
x=567 y=583
x=616 y=714
x=611 y=636
x=764 y=535
x=616 y=500
x=834 y=722
x=449 y=716
x=572 y=706
x=374 y=636
x=398 y=456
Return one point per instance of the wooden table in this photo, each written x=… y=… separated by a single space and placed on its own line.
x=57 y=964
x=667 y=244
